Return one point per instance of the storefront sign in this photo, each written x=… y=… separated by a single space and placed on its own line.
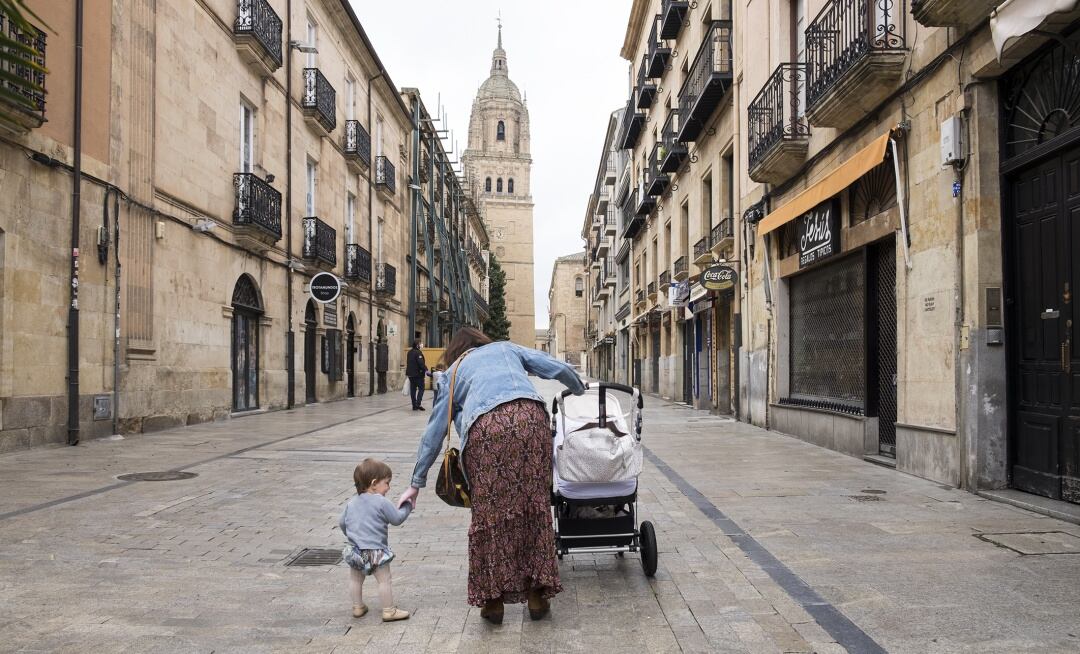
x=819 y=233
x=678 y=294
x=330 y=315
x=325 y=287
x=719 y=278
x=608 y=340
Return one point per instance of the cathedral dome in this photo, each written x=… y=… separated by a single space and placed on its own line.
x=498 y=84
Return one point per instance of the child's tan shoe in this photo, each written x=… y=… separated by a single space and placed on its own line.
x=394 y=613
x=359 y=611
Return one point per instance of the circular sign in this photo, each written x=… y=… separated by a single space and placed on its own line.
x=325 y=287
x=719 y=278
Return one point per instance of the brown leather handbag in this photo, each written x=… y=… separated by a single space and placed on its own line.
x=451 y=485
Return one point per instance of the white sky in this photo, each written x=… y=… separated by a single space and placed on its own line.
x=564 y=55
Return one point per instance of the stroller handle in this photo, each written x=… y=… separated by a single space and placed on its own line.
x=603 y=386
x=635 y=411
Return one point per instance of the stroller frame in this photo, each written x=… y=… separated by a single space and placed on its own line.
x=615 y=535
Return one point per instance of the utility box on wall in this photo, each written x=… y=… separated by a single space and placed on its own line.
x=952 y=141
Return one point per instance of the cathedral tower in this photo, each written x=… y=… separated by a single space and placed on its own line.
x=498 y=164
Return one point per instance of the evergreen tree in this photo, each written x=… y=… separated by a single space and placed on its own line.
x=497 y=326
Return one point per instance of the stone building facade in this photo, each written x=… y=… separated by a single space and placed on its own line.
x=498 y=164
x=568 y=310
x=229 y=180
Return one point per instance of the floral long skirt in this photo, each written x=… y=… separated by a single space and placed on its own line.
x=511 y=540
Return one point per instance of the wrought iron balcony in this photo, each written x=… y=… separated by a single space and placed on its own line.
x=722 y=234
x=610 y=174
x=602 y=246
x=385 y=176
x=665 y=280
x=778 y=131
x=646 y=203
x=320 y=242
x=659 y=53
x=632 y=222
x=29 y=109
x=633 y=121
x=610 y=278
x=952 y=13
x=357 y=263
x=357 y=143
x=701 y=249
x=257 y=32
x=707 y=81
x=646 y=88
x=652 y=290
x=623 y=312
x=672 y=13
x=656 y=181
x=602 y=198
x=856 y=51
x=258 y=205
x=611 y=221
x=639 y=296
x=481 y=303
x=674 y=153
x=682 y=269
x=319 y=100
x=386 y=279
x=425 y=298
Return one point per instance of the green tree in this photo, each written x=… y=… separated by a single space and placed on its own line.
x=19 y=67
x=497 y=326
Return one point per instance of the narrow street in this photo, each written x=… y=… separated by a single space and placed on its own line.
x=767 y=544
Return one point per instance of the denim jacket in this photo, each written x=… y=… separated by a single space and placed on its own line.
x=490 y=375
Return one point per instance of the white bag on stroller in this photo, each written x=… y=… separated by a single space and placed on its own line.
x=599 y=454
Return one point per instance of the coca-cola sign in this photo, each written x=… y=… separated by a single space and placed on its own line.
x=819 y=234
x=719 y=278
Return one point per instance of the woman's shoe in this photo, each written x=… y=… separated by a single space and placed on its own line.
x=538 y=605
x=359 y=610
x=492 y=611
x=394 y=613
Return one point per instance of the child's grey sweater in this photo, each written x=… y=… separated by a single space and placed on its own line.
x=364 y=520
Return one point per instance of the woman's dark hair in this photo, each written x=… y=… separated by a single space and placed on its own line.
x=464 y=339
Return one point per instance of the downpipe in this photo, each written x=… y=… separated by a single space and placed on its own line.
x=73 y=305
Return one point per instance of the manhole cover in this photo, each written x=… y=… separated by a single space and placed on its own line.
x=310 y=556
x=167 y=475
x=1034 y=543
x=864 y=498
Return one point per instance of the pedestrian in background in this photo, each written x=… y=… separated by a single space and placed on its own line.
x=364 y=525
x=506 y=448
x=415 y=370
x=437 y=375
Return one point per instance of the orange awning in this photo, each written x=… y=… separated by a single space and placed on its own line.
x=837 y=180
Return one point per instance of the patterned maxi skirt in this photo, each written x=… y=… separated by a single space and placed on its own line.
x=511 y=539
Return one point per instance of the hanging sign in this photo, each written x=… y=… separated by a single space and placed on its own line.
x=678 y=294
x=819 y=234
x=719 y=278
x=324 y=287
x=330 y=315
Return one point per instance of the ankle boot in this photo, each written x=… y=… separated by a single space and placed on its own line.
x=492 y=611
x=538 y=605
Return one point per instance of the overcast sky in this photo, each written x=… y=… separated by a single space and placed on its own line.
x=563 y=55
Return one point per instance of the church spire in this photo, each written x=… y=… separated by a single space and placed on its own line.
x=498 y=57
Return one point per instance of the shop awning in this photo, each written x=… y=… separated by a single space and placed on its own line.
x=837 y=180
x=1015 y=18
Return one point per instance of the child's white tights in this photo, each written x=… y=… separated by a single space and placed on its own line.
x=382 y=575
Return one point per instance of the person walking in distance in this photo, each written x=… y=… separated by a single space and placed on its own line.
x=415 y=370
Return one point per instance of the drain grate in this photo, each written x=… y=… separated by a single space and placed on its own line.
x=864 y=498
x=167 y=475
x=872 y=491
x=313 y=556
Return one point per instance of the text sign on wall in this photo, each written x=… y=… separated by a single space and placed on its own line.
x=819 y=234
x=325 y=287
x=719 y=278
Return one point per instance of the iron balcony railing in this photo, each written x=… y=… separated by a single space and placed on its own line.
x=257 y=19
x=639 y=296
x=633 y=121
x=598 y=285
x=357 y=142
x=722 y=230
x=674 y=153
x=610 y=173
x=612 y=218
x=257 y=204
x=319 y=98
x=357 y=263
x=385 y=175
x=632 y=222
x=844 y=33
x=480 y=302
x=386 y=279
x=652 y=288
x=701 y=248
x=319 y=241
x=35 y=98
x=681 y=267
x=646 y=203
x=672 y=13
x=646 y=88
x=656 y=181
x=707 y=80
x=665 y=279
x=777 y=113
x=659 y=52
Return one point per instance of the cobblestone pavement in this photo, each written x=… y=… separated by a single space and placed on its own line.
x=767 y=544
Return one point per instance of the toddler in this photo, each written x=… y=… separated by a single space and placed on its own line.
x=363 y=523
x=436 y=376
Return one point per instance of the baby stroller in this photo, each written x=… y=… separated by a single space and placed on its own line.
x=595 y=507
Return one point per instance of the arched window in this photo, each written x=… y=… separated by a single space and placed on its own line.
x=247 y=308
x=510 y=185
x=579 y=287
x=500 y=131
x=498 y=186
x=487 y=185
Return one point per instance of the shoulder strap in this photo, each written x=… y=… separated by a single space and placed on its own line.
x=450 y=412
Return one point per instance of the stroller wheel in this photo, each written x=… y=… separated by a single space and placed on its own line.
x=648 y=548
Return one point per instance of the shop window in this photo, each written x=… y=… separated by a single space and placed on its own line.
x=827 y=351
